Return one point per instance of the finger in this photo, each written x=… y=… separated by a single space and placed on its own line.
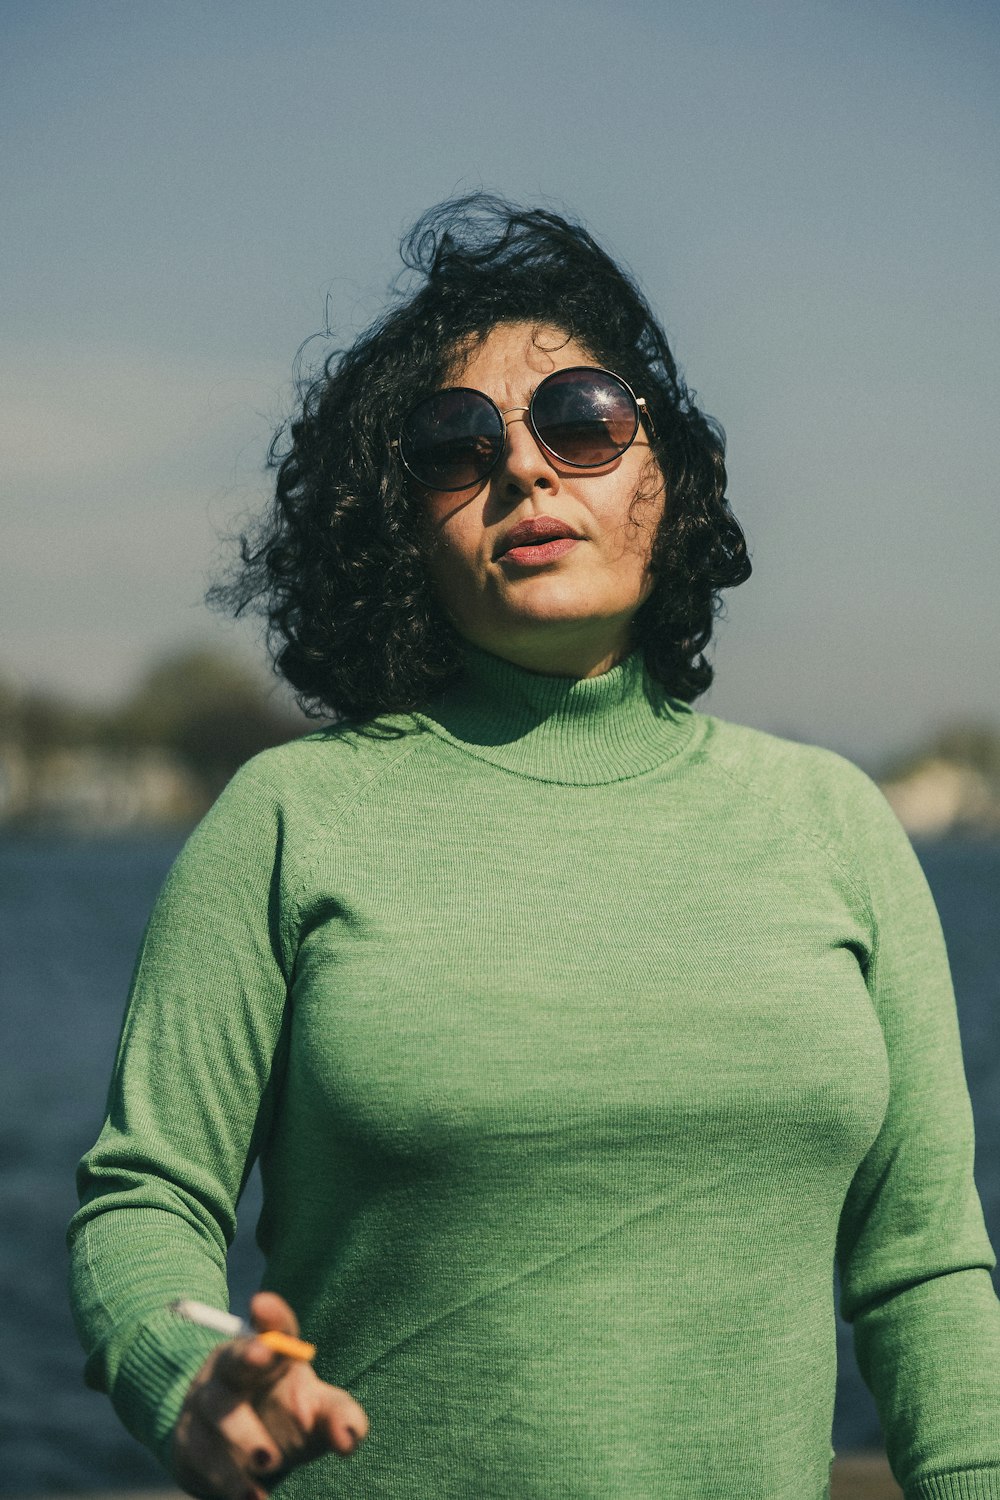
x=238 y=1412
x=339 y=1419
x=306 y=1417
x=208 y=1467
x=269 y=1310
x=246 y=1366
x=252 y=1446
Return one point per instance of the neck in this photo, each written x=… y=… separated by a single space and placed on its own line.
x=560 y=727
x=551 y=654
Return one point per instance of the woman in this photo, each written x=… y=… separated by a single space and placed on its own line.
x=576 y=1031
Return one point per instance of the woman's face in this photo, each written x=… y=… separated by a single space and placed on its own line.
x=568 y=614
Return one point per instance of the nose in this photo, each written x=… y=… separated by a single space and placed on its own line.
x=524 y=465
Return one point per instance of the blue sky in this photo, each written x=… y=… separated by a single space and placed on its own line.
x=808 y=193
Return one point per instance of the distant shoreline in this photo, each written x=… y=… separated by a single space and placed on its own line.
x=93 y=792
x=156 y=761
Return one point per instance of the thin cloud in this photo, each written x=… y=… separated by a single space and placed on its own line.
x=67 y=420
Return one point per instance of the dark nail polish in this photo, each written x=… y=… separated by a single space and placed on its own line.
x=262 y=1458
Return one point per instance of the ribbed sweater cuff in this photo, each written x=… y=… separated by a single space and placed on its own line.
x=154 y=1376
x=965 y=1484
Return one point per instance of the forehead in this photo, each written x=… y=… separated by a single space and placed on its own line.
x=513 y=357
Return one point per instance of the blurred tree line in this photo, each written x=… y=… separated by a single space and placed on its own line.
x=201 y=706
x=974 y=747
x=165 y=751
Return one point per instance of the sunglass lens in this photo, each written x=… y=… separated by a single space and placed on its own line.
x=586 y=417
x=452 y=440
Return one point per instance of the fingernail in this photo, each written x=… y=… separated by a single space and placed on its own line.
x=262 y=1458
x=355 y=1435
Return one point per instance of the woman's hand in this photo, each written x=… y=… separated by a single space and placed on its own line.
x=250 y=1415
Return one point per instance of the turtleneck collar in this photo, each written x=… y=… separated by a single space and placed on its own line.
x=582 y=730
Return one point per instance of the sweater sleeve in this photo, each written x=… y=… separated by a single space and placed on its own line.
x=912 y=1246
x=191 y=1098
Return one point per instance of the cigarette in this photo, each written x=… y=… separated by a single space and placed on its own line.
x=238 y=1328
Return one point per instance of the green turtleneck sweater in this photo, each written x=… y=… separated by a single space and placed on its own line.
x=577 y=1032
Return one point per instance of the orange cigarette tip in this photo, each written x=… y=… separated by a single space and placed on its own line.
x=285 y=1343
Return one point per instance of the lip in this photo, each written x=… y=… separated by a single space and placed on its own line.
x=541 y=553
x=533 y=532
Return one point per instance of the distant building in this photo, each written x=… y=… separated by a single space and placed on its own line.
x=939 y=796
x=92 y=790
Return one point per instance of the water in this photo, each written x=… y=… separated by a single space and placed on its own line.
x=71 y=914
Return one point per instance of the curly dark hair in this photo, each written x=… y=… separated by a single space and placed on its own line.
x=339 y=565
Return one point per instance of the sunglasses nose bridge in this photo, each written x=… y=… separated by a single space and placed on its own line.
x=536 y=450
x=514 y=414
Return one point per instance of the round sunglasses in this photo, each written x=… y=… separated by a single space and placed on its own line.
x=582 y=416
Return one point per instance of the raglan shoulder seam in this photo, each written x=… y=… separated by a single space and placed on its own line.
x=802 y=830
x=339 y=818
